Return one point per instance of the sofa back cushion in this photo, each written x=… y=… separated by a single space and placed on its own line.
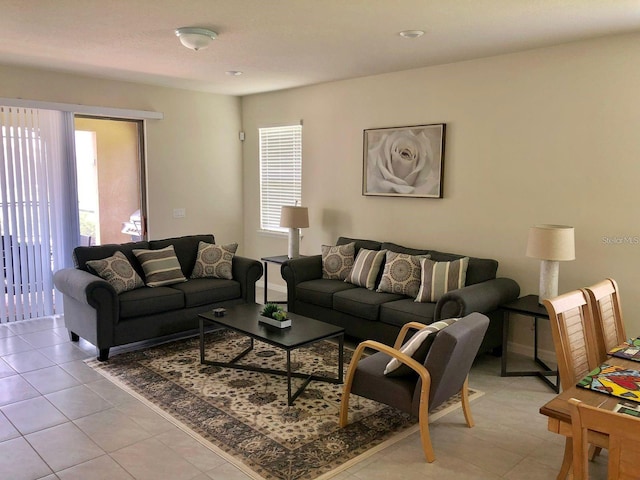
x=400 y=249
x=186 y=249
x=81 y=255
x=368 y=244
x=478 y=270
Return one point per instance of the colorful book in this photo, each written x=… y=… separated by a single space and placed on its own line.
x=629 y=350
x=614 y=380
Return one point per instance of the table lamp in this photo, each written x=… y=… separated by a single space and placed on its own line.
x=294 y=218
x=551 y=244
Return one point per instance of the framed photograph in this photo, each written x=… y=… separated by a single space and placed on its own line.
x=404 y=161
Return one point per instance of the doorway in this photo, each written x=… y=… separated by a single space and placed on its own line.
x=110 y=174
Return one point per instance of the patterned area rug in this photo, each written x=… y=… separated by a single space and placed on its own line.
x=244 y=416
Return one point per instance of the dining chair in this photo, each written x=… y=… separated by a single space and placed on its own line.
x=573 y=339
x=624 y=440
x=604 y=300
x=443 y=373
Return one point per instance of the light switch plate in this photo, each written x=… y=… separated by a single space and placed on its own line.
x=179 y=213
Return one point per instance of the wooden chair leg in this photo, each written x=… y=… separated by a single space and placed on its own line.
x=466 y=407
x=346 y=391
x=425 y=438
x=567 y=460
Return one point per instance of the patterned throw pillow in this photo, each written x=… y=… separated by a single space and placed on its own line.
x=214 y=261
x=417 y=347
x=439 y=278
x=401 y=274
x=366 y=268
x=337 y=261
x=117 y=271
x=161 y=266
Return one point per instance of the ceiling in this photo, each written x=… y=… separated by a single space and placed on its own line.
x=281 y=44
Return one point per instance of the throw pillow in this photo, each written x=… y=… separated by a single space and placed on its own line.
x=214 y=261
x=366 y=268
x=161 y=266
x=439 y=278
x=401 y=274
x=417 y=347
x=117 y=271
x=337 y=261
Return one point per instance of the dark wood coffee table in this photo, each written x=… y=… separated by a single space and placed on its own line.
x=302 y=332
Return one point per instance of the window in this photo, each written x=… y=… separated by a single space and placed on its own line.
x=280 y=172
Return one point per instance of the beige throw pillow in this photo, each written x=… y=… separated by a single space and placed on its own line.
x=117 y=270
x=337 y=261
x=214 y=261
x=401 y=274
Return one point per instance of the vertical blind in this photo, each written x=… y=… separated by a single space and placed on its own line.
x=280 y=172
x=37 y=220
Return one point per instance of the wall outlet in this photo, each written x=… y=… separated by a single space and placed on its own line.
x=179 y=213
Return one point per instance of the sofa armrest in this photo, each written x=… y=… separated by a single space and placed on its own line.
x=84 y=287
x=483 y=297
x=247 y=271
x=298 y=270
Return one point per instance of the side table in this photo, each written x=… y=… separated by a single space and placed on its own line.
x=529 y=307
x=278 y=260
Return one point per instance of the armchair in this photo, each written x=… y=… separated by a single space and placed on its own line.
x=444 y=373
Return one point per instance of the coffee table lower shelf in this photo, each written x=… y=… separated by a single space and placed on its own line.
x=291 y=397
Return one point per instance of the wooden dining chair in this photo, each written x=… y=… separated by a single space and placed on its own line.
x=624 y=440
x=573 y=339
x=604 y=300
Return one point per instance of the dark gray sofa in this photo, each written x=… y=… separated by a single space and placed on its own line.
x=94 y=311
x=367 y=314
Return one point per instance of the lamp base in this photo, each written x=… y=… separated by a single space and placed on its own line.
x=549 y=273
x=294 y=243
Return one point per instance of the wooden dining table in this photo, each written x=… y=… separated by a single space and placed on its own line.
x=559 y=418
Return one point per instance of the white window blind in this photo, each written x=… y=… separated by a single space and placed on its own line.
x=280 y=172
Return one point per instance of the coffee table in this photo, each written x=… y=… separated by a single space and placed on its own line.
x=302 y=332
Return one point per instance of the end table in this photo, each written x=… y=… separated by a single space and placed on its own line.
x=529 y=307
x=278 y=260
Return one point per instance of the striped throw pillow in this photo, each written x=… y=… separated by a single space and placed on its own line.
x=439 y=278
x=161 y=267
x=366 y=268
x=417 y=347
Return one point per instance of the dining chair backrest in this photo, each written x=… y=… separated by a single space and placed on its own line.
x=624 y=440
x=607 y=314
x=572 y=331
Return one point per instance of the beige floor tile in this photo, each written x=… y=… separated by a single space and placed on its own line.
x=51 y=379
x=109 y=391
x=150 y=460
x=101 y=468
x=191 y=449
x=77 y=402
x=111 y=430
x=63 y=446
x=44 y=338
x=80 y=371
x=15 y=389
x=64 y=352
x=27 y=361
x=18 y=461
x=227 y=472
x=14 y=344
x=5 y=369
x=34 y=414
x=145 y=417
x=7 y=430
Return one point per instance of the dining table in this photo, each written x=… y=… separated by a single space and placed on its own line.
x=559 y=417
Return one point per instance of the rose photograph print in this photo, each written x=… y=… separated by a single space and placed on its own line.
x=404 y=161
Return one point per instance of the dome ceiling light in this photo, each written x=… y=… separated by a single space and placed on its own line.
x=195 y=38
x=411 y=33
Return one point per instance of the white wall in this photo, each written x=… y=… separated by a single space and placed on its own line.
x=544 y=136
x=193 y=155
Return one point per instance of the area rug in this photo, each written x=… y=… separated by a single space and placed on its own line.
x=243 y=415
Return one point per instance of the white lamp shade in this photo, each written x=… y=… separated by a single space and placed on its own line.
x=294 y=217
x=551 y=242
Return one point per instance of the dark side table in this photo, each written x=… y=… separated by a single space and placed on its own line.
x=527 y=306
x=278 y=260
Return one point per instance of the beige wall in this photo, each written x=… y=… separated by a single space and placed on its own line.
x=193 y=155
x=544 y=136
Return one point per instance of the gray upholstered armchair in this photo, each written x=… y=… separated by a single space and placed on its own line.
x=443 y=373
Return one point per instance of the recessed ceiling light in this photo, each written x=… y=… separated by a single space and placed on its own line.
x=233 y=73
x=411 y=33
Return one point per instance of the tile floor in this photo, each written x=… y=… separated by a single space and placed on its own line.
x=61 y=420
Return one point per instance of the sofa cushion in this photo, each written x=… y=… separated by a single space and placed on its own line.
x=337 y=261
x=81 y=255
x=202 y=291
x=361 y=302
x=439 y=278
x=406 y=310
x=400 y=249
x=320 y=292
x=147 y=301
x=360 y=243
x=117 y=270
x=417 y=348
x=214 y=261
x=186 y=249
x=366 y=268
x=401 y=274
x=161 y=266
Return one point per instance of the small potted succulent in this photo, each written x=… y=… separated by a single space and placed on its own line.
x=273 y=314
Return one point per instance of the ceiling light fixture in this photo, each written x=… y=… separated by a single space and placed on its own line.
x=233 y=73
x=195 y=38
x=411 y=33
